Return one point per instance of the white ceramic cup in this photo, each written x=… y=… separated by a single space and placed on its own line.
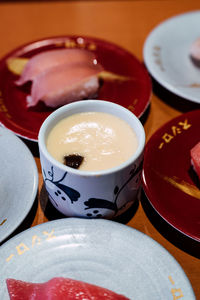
x=92 y=194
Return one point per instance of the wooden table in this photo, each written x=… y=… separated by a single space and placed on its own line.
x=126 y=23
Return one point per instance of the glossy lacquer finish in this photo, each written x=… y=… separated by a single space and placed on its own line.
x=169 y=180
x=132 y=89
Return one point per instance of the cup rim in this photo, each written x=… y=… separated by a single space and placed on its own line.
x=55 y=114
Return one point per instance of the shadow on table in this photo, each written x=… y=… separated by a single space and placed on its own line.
x=145 y=115
x=174 y=236
x=51 y=213
x=33 y=146
x=26 y=223
x=178 y=103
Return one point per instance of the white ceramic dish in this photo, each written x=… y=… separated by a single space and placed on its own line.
x=18 y=182
x=166 y=55
x=100 y=252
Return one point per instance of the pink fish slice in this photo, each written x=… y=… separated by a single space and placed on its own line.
x=65 y=83
x=61 y=289
x=195 y=158
x=48 y=59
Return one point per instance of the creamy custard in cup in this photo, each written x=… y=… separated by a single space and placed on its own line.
x=97 y=140
x=104 y=189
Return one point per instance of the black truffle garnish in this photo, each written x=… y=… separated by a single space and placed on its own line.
x=73 y=160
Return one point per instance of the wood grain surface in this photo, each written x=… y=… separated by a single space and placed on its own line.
x=126 y=23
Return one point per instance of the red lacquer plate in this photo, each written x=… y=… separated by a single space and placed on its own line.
x=170 y=183
x=133 y=94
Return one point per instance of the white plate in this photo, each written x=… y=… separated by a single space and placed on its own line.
x=18 y=182
x=97 y=251
x=166 y=55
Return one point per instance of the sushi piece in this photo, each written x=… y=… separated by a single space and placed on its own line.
x=48 y=59
x=195 y=52
x=195 y=158
x=65 y=83
x=61 y=76
x=59 y=288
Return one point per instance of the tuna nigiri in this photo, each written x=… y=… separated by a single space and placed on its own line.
x=59 y=289
x=61 y=76
x=64 y=83
x=195 y=158
x=45 y=60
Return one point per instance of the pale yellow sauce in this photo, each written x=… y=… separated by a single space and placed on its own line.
x=104 y=140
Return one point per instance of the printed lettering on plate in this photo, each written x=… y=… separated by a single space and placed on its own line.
x=157 y=57
x=176 y=292
x=3 y=222
x=174 y=131
x=21 y=248
x=131 y=107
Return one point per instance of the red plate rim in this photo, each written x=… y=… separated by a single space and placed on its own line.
x=37 y=44
x=149 y=188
